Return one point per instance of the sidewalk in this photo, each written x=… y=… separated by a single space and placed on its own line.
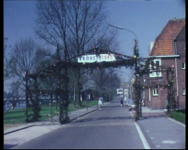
x=21 y=134
x=161 y=132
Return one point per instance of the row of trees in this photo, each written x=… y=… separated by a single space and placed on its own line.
x=68 y=27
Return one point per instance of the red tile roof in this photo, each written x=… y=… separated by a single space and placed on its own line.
x=164 y=43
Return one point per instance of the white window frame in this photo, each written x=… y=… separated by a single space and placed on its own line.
x=184 y=91
x=155 y=74
x=184 y=66
x=155 y=92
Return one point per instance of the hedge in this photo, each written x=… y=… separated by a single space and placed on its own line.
x=181 y=111
x=178 y=116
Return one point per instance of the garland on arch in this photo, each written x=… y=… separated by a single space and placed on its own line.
x=61 y=90
x=60 y=68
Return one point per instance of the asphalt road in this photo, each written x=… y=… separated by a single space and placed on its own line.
x=111 y=127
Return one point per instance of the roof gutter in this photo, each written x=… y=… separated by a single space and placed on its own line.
x=163 y=56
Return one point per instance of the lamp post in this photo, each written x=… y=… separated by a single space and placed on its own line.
x=136 y=55
x=136 y=38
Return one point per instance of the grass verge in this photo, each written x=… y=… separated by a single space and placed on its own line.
x=18 y=115
x=178 y=116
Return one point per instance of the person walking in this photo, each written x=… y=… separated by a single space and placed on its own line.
x=100 y=103
x=121 y=101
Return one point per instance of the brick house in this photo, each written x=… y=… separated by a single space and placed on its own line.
x=168 y=49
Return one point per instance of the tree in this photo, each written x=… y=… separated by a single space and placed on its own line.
x=6 y=65
x=15 y=92
x=106 y=81
x=24 y=58
x=45 y=58
x=102 y=77
x=73 y=25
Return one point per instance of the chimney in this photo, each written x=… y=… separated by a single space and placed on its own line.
x=151 y=45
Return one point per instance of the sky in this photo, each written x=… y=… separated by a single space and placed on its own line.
x=146 y=18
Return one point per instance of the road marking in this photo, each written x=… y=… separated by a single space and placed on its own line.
x=169 y=142
x=142 y=137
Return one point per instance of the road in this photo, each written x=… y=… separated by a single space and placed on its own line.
x=111 y=127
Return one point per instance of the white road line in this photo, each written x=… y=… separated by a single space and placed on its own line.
x=131 y=114
x=142 y=137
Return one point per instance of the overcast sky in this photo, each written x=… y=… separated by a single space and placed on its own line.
x=146 y=18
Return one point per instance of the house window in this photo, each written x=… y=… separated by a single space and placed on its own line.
x=184 y=91
x=157 y=63
x=183 y=66
x=155 y=92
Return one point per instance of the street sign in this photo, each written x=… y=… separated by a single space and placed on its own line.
x=94 y=58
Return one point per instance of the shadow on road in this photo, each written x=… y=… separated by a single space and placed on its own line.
x=7 y=146
x=112 y=106
x=103 y=118
x=151 y=117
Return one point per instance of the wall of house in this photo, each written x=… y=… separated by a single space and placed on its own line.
x=167 y=62
x=163 y=98
x=165 y=45
x=158 y=102
x=146 y=93
x=181 y=50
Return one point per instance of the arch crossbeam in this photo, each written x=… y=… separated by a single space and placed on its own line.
x=59 y=71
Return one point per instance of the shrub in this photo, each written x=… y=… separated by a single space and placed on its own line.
x=178 y=116
x=181 y=110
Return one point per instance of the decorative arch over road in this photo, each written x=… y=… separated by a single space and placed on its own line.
x=59 y=72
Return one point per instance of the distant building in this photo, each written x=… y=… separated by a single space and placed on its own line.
x=120 y=91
